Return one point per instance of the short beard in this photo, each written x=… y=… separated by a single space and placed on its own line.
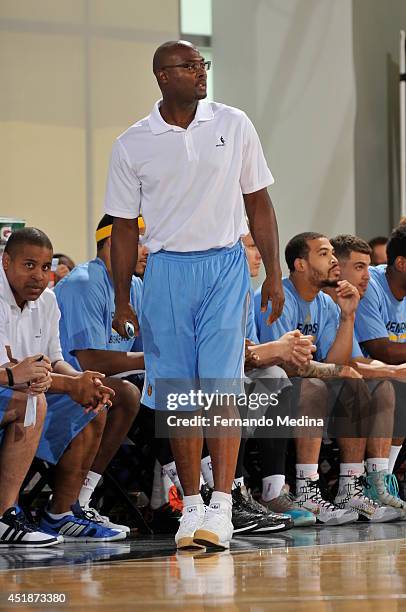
x=329 y=283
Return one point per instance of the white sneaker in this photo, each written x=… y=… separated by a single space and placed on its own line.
x=15 y=530
x=309 y=497
x=351 y=496
x=192 y=519
x=93 y=515
x=217 y=529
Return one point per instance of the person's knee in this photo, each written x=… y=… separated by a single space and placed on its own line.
x=314 y=397
x=384 y=395
x=128 y=397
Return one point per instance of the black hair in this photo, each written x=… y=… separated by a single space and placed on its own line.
x=26 y=235
x=104 y=222
x=396 y=246
x=345 y=244
x=377 y=241
x=298 y=247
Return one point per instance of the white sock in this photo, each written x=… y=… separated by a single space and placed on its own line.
x=88 y=487
x=171 y=471
x=158 y=493
x=192 y=500
x=201 y=483
x=351 y=469
x=306 y=470
x=207 y=471
x=347 y=473
x=272 y=486
x=167 y=484
x=238 y=482
x=219 y=497
x=59 y=516
x=393 y=455
x=377 y=464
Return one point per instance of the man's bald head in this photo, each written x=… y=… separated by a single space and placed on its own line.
x=165 y=52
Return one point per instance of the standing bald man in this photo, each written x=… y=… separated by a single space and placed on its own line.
x=190 y=166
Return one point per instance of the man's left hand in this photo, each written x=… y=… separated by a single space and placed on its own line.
x=89 y=391
x=347 y=298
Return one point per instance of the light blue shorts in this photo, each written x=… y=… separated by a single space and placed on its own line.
x=194 y=314
x=64 y=420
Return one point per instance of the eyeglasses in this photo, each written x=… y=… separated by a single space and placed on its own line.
x=191 y=66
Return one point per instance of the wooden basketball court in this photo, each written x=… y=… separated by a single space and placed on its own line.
x=356 y=567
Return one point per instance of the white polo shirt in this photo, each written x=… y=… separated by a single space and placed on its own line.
x=4 y=341
x=35 y=329
x=187 y=183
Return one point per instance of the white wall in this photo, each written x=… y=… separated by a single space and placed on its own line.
x=73 y=74
x=288 y=64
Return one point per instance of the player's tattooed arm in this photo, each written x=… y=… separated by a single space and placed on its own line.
x=316 y=369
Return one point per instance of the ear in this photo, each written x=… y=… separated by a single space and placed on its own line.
x=6 y=260
x=162 y=76
x=299 y=264
x=400 y=264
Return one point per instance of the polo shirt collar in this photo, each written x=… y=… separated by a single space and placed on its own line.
x=158 y=125
x=8 y=295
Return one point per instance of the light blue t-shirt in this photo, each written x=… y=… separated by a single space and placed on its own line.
x=380 y=314
x=86 y=301
x=319 y=318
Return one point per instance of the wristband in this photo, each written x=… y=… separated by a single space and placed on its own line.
x=10 y=377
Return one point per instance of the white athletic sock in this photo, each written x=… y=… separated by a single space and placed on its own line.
x=207 y=471
x=158 y=493
x=59 y=516
x=201 y=483
x=306 y=470
x=347 y=473
x=238 y=482
x=91 y=481
x=219 y=497
x=393 y=455
x=171 y=471
x=351 y=469
x=377 y=464
x=192 y=500
x=272 y=486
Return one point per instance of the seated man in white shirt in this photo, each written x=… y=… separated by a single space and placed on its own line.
x=76 y=400
x=18 y=442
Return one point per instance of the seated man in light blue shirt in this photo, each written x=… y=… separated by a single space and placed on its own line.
x=86 y=301
x=313 y=267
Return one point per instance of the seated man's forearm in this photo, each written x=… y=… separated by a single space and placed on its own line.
x=110 y=362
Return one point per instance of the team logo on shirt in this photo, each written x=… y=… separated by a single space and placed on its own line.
x=308 y=328
x=221 y=142
x=396 y=330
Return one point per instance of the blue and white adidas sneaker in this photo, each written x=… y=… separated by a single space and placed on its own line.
x=16 y=531
x=76 y=527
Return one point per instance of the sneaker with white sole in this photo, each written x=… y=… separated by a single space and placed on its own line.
x=309 y=497
x=352 y=497
x=383 y=487
x=16 y=531
x=217 y=528
x=93 y=515
x=76 y=527
x=192 y=519
x=285 y=503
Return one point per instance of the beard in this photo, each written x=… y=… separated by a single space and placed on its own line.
x=319 y=280
x=329 y=283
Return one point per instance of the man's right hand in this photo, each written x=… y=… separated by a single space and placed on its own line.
x=123 y=314
x=30 y=369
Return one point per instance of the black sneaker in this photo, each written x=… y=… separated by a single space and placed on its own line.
x=243 y=521
x=267 y=522
x=15 y=530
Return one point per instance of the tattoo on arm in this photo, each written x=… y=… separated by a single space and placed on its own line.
x=315 y=369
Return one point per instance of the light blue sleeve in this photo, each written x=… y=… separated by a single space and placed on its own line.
x=356 y=349
x=369 y=323
x=136 y=300
x=285 y=323
x=328 y=330
x=82 y=306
